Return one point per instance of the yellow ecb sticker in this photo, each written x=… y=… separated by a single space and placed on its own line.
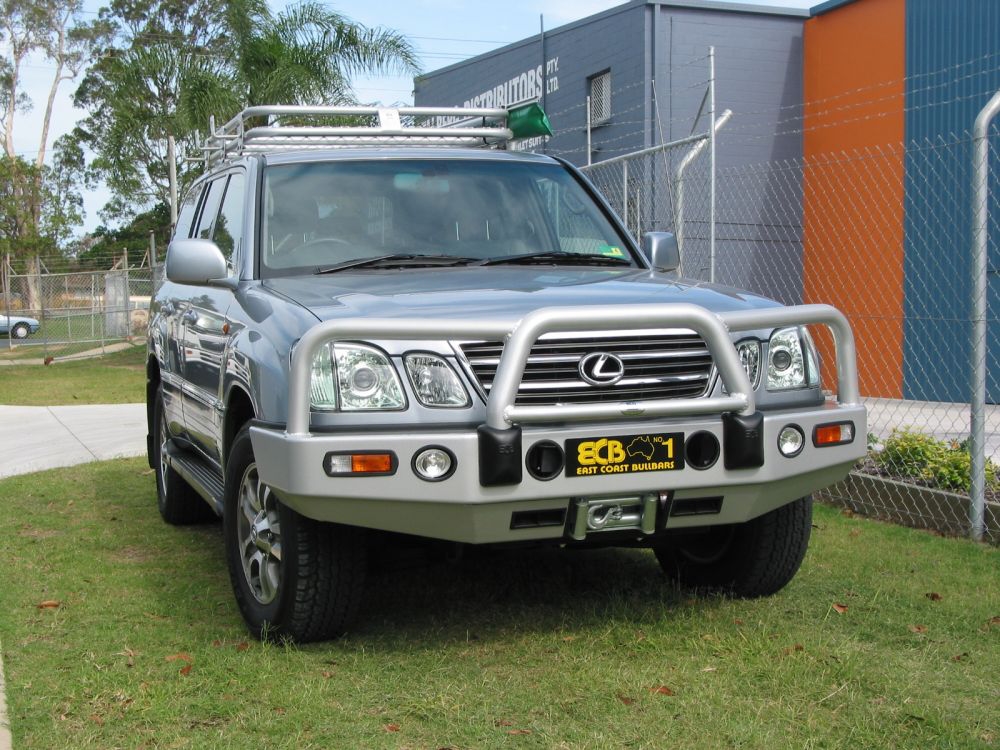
x=613 y=251
x=601 y=452
x=625 y=454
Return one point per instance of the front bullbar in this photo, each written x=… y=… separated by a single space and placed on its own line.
x=520 y=335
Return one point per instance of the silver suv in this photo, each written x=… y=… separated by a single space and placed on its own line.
x=380 y=327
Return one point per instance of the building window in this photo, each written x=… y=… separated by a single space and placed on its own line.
x=600 y=98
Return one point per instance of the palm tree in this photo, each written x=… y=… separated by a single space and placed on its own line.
x=307 y=53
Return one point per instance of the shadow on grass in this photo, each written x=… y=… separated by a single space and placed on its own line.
x=412 y=596
x=491 y=595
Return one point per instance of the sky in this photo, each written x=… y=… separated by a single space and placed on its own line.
x=443 y=32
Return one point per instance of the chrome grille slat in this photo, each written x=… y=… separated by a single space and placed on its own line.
x=574 y=358
x=658 y=364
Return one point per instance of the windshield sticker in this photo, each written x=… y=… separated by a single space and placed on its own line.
x=612 y=250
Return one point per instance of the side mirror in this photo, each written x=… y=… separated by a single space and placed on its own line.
x=197 y=262
x=660 y=249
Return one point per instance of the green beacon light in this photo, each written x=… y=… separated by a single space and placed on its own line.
x=528 y=121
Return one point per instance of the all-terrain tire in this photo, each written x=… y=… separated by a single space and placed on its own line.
x=752 y=559
x=312 y=588
x=176 y=500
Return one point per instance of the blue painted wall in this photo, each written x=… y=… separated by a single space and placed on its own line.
x=952 y=70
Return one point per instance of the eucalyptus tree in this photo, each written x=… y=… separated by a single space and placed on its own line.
x=54 y=31
x=174 y=63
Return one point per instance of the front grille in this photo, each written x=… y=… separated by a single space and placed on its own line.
x=658 y=365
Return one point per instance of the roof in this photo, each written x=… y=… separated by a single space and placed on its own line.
x=759 y=8
x=710 y=5
x=818 y=10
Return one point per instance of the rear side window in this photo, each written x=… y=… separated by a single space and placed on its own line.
x=185 y=216
x=210 y=208
x=228 y=231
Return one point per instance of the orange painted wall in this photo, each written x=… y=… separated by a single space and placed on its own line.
x=853 y=180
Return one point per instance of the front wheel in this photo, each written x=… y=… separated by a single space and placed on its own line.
x=756 y=558
x=294 y=578
x=20 y=331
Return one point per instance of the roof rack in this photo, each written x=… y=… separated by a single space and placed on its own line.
x=293 y=127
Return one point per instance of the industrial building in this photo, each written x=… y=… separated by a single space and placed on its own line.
x=868 y=78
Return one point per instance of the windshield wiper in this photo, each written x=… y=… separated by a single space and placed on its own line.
x=409 y=260
x=558 y=257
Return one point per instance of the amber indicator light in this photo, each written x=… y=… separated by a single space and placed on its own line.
x=371 y=463
x=833 y=434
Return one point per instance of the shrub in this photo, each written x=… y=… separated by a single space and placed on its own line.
x=947 y=465
x=908 y=452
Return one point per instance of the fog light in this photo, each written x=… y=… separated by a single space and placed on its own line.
x=790 y=441
x=433 y=464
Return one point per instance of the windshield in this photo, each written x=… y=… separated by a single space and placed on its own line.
x=323 y=214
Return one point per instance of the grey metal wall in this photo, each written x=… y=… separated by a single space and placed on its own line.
x=758 y=73
x=663 y=46
x=607 y=41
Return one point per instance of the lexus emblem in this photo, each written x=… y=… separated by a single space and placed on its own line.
x=601 y=368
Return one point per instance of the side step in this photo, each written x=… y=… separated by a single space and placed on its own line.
x=197 y=472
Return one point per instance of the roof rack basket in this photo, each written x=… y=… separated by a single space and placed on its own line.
x=293 y=127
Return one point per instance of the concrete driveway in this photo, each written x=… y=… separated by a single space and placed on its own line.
x=33 y=438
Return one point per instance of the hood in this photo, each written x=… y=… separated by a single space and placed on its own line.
x=496 y=292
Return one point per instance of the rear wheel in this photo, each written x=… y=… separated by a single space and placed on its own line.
x=294 y=578
x=177 y=501
x=20 y=331
x=751 y=559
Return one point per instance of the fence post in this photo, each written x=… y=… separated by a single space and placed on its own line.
x=5 y=269
x=686 y=162
x=711 y=157
x=589 y=152
x=625 y=192
x=980 y=269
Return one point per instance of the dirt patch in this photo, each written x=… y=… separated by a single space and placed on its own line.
x=133 y=555
x=30 y=532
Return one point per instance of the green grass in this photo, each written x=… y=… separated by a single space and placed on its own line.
x=564 y=648
x=117 y=378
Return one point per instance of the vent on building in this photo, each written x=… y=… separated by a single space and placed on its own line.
x=600 y=99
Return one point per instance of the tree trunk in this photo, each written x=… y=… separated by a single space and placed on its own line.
x=172 y=171
x=33 y=286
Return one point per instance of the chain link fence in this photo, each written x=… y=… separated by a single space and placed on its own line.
x=885 y=235
x=73 y=314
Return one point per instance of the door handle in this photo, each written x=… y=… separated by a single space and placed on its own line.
x=167 y=309
x=191 y=317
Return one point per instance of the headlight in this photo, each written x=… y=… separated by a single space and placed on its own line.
x=434 y=382
x=791 y=360
x=322 y=387
x=749 y=352
x=354 y=378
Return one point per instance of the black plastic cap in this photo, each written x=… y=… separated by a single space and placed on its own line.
x=743 y=440
x=499 y=456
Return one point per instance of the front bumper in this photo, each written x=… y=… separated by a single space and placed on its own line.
x=488 y=498
x=460 y=509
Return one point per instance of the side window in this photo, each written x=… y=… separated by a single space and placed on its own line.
x=228 y=232
x=210 y=208
x=185 y=217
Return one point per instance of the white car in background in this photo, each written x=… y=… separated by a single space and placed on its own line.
x=18 y=326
